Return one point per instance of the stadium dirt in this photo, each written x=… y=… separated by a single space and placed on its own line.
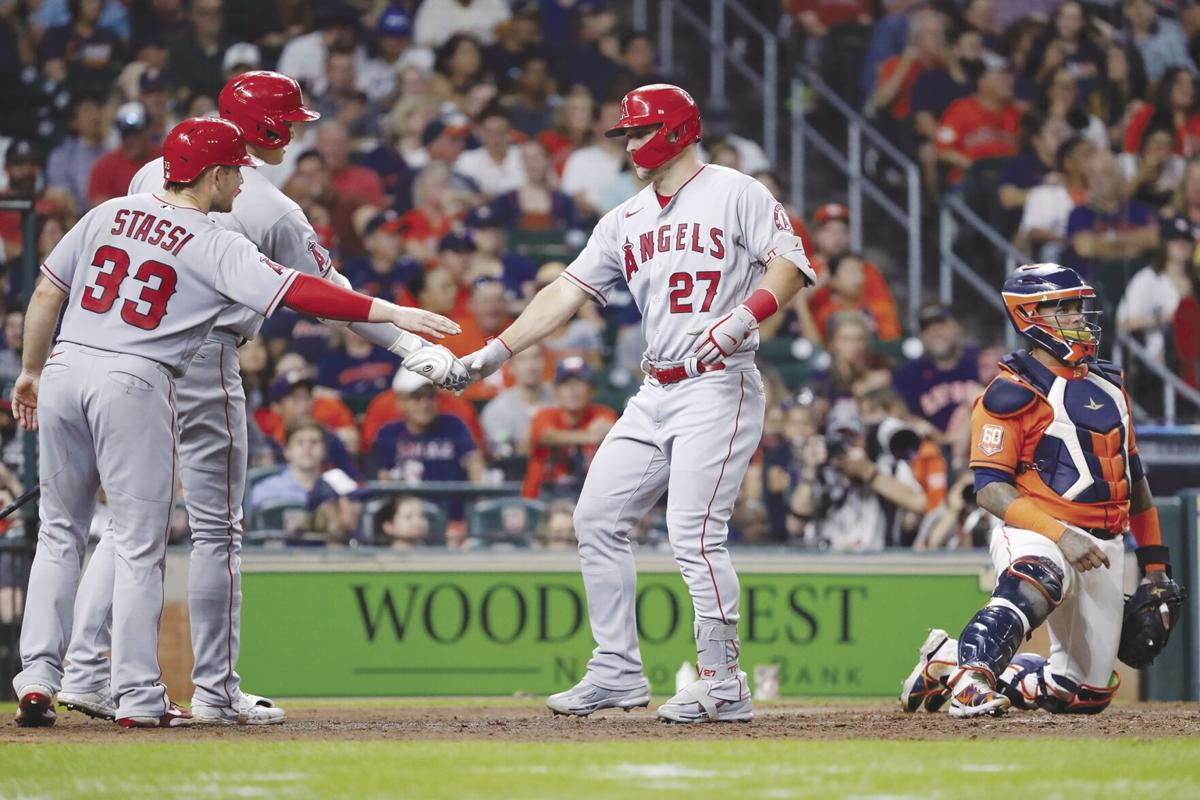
x=525 y=722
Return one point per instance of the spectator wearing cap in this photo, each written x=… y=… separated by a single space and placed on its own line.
x=570 y=129
x=438 y=20
x=241 y=57
x=303 y=57
x=496 y=166
x=533 y=96
x=442 y=142
x=506 y=417
x=82 y=52
x=395 y=53
x=590 y=171
x=564 y=437
x=1152 y=297
x=940 y=385
x=292 y=400
x=22 y=169
x=425 y=445
x=1043 y=226
x=304 y=454
x=1161 y=42
x=1154 y=174
x=537 y=205
x=340 y=98
x=154 y=93
x=386 y=408
x=381 y=271
x=458 y=68
x=336 y=505
x=196 y=64
x=113 y=171
x=985 y=125
x=71 y=162
x=355 y=368
x=492 y=259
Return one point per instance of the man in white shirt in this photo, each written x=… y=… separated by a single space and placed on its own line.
x=438 y=20
x=505 y=419
x=589 y=171
x=1043 y=227
x=496 y=166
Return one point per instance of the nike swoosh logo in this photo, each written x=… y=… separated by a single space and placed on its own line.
x=629 y=214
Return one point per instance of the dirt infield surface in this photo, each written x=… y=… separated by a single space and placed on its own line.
x=489 y=720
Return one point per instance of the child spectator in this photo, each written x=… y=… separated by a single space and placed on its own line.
x=563 y=438
x=405 y=525
x=558 y=531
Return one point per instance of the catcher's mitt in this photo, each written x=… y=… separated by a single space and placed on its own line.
x=1151 y=613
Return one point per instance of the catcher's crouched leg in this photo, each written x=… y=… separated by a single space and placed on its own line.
x=1028 y=683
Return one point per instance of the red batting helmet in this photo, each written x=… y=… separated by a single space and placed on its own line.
x=669 y=107
x=198 y=143
x=260 y=103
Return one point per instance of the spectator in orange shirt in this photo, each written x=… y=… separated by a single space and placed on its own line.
x=563 y=438
x=292 y=402
x=487 y=318
x=985 y=125
x=846 y=291
x=362 y=185
x=113 y=171
x=898 y=74
x=433 y=212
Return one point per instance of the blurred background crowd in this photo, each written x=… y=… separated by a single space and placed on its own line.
x=460 y=163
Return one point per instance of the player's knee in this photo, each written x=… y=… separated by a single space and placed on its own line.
x=1034 y=585
x=590 y=518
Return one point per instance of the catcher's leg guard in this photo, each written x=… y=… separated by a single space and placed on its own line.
x=1064 y=696
x=1025 y=595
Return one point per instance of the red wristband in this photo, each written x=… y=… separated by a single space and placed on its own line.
x=762 y=304
x=321 y=298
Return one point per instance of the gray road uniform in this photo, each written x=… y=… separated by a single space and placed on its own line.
x=688 y=433
x=212 y=451
x=146 y=283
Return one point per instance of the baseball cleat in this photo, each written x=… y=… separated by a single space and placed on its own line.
x=925 y=686
x=98 y=704
x=710 y=701
x=973 y=696
x=250 y=709
x=36 y=707
x=583 y=698
x=175 y=717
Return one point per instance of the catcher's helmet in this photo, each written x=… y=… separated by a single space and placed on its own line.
x=198 y=143
x=260 y=103
x=1034 y=284
x=669 y=107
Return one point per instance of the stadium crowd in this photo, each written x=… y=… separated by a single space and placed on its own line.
x=460 y=161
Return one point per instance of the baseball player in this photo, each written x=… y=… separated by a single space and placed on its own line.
x=212 y=437
x=708 y=254
x=1055 y=456
x=145 y=278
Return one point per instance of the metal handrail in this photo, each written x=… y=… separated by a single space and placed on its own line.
x=722 y=55
x=850 y=163
x=1172 y=384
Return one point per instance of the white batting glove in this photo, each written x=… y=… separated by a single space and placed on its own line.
x=722 y=338
x=487 y=359
x=440 y=366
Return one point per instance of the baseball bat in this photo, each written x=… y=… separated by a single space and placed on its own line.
x=20 y=501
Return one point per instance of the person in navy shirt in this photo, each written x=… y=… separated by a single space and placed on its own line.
x=425 y=445
x=357 y=368
x=491 y=258
x=382 y=271
x=1108 y=228
x=941 y=385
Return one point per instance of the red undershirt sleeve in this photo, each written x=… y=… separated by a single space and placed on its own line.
x=321 y=298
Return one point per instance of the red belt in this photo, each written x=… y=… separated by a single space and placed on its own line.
x=679 y=372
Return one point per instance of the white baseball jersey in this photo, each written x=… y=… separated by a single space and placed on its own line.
x=149 y=279
x=268 y=218
x=692 y=261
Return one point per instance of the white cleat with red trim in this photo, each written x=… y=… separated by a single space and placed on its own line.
x=248 y=709
x=709 y=700
x=98 y=704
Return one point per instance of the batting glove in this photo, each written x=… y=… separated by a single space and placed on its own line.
x=440 y=366
x=486 y=360
x=723 y=338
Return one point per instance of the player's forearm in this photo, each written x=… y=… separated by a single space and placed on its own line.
x=40 y=319
x=547 y=312
x=899 y=493
x=996 y=497
x=389 y=337
x=320 y=298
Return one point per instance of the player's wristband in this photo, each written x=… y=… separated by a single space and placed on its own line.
x=1024 y=513
x=762 y=304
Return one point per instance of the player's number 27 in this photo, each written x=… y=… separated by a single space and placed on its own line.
x=99 y=297
x=682 y=284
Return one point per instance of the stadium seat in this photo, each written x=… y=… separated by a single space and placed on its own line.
x=505 y=520
x=285 y=515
